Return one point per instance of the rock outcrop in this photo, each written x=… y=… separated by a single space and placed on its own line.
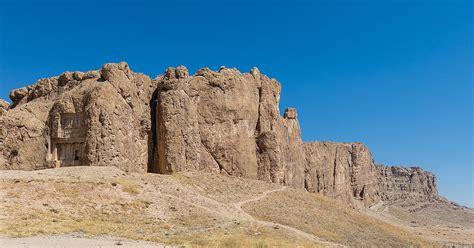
x=18 y=94
x=344 y=171
x=4 y=105
x=220 y=121
x=397 y=183
x=113 y=108
x=225 y=121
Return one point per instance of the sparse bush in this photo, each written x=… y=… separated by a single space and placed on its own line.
x=230 y=243
x=261 y=245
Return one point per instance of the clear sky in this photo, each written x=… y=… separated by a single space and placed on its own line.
x=396 y=75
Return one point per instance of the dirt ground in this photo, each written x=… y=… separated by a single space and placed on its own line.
x=436 y=219
x=72 y=241
x=184 y=209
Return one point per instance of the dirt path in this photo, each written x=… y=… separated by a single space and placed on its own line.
x=71 y=241
x=298 y=232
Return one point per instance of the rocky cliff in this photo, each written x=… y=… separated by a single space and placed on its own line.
x=400 y=183
x=226 y=121
x=344 y=171
x=220 y=121
x=113 y=104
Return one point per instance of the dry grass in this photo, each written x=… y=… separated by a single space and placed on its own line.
x=329 y=219
x=191 y=209
x=116 y=207
x=130 y=186
x=50 y=223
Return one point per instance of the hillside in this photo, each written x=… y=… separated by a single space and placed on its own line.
x=192 y=209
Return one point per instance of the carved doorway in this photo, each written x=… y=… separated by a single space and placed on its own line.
x=70 y=143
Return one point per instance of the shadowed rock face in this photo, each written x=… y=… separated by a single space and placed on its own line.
x=220 y=121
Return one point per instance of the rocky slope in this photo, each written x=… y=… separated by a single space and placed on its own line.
x=221 y=121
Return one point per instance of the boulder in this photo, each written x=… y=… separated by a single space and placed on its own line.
x=116 y=72
x=78 y=75
x=66 y=78
x=91 y=74
x=18 y=94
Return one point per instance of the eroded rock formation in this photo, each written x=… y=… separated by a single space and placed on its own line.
x=344 y=171
x=4 y=105
x=228 y=122
x=114 y=108
x=220 y=121
x=400 y=183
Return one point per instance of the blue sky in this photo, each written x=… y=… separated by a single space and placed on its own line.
x=396 y=75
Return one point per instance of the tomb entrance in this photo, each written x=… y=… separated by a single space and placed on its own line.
x=69 y=145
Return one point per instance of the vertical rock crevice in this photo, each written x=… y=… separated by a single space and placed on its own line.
x=152 y=136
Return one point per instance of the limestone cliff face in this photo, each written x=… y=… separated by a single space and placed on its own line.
x=344 y=171
x=397 y=183
x=112 y=103
x=226 y=122
x=220 y=121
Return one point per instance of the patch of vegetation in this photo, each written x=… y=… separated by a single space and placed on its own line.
x=128 y=186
